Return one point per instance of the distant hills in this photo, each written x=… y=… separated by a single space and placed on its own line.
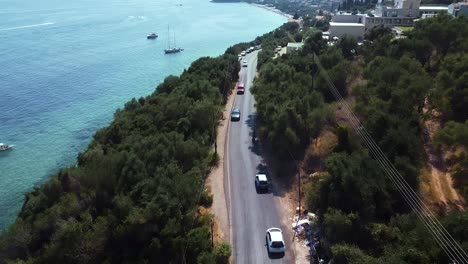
x=226 y=1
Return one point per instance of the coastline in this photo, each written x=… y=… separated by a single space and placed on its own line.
x=44 y=132
x=274 y=10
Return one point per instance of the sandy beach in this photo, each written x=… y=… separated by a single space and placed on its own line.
x=273 y=9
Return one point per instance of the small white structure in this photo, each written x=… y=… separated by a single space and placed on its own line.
x=294 y=46
x=340 y=29
x=326 y=35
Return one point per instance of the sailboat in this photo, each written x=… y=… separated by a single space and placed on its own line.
x=170 y=49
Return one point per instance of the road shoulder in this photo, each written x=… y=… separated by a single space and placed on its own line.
x=215 y=180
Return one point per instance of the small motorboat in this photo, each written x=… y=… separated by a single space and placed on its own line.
x=4 y=147
x=173 y=50
x=152 y=35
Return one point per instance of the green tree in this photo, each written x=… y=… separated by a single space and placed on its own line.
x=348 y=254
x=348 y=46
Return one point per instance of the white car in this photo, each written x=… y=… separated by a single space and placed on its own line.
x=275 y=241
x=261 y=182
x=243 y=53
x=244 y=63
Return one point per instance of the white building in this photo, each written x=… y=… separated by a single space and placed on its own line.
x=430 y=11
x=402 y=13
x=401 y=8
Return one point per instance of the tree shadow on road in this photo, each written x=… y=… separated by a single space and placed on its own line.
x=276 y=255
x=255 y=145
x=250 y=121
x=281 y=173
x=280 y=178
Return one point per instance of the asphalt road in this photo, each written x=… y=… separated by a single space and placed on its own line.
x=250 y=213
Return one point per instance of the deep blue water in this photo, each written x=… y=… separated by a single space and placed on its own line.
x=66 y=66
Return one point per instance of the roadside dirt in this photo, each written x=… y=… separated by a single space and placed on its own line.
x=286 y=190
x=215 y=180
x=437 y=183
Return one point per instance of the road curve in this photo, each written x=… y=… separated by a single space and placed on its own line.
x=250 y=213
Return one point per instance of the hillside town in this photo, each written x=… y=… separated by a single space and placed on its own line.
x=356 y=18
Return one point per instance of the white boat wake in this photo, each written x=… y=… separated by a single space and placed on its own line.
x=29 y=26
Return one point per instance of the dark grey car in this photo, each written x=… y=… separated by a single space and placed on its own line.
x=235 y=114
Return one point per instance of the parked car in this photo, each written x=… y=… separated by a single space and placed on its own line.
x=243 y=53
x=275 y=241
x=240 y=88
x=244 y=63
x=261 y=182
x=235 y=114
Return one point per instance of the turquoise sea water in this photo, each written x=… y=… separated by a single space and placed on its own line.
x=66 y=66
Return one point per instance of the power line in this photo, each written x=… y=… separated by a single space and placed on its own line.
x=387 y=165
x=440 y=234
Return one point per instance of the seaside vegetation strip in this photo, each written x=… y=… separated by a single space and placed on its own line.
x=396 y=85
x=134 y=196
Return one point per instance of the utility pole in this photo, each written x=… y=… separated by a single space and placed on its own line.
x=212 y=235
x=299 y=188
x=214 y=132
x=298 y=169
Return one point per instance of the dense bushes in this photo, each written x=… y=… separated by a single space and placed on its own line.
x=132 y=196
x=363 y=219
x=290 y=111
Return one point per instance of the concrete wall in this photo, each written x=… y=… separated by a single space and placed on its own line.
x=458 y=9
x=345 y=18
x=340 y=30
x=463 y=10
x=371 y=22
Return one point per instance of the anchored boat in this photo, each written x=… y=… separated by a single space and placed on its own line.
x=152 y=35
x=173 y=49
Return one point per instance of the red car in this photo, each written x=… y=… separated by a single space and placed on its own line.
x=240 y=88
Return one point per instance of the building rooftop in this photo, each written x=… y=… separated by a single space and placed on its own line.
x=426 y=8
x=262 y=177
x=295 y=44
x=343 y=13
x=346 y=24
